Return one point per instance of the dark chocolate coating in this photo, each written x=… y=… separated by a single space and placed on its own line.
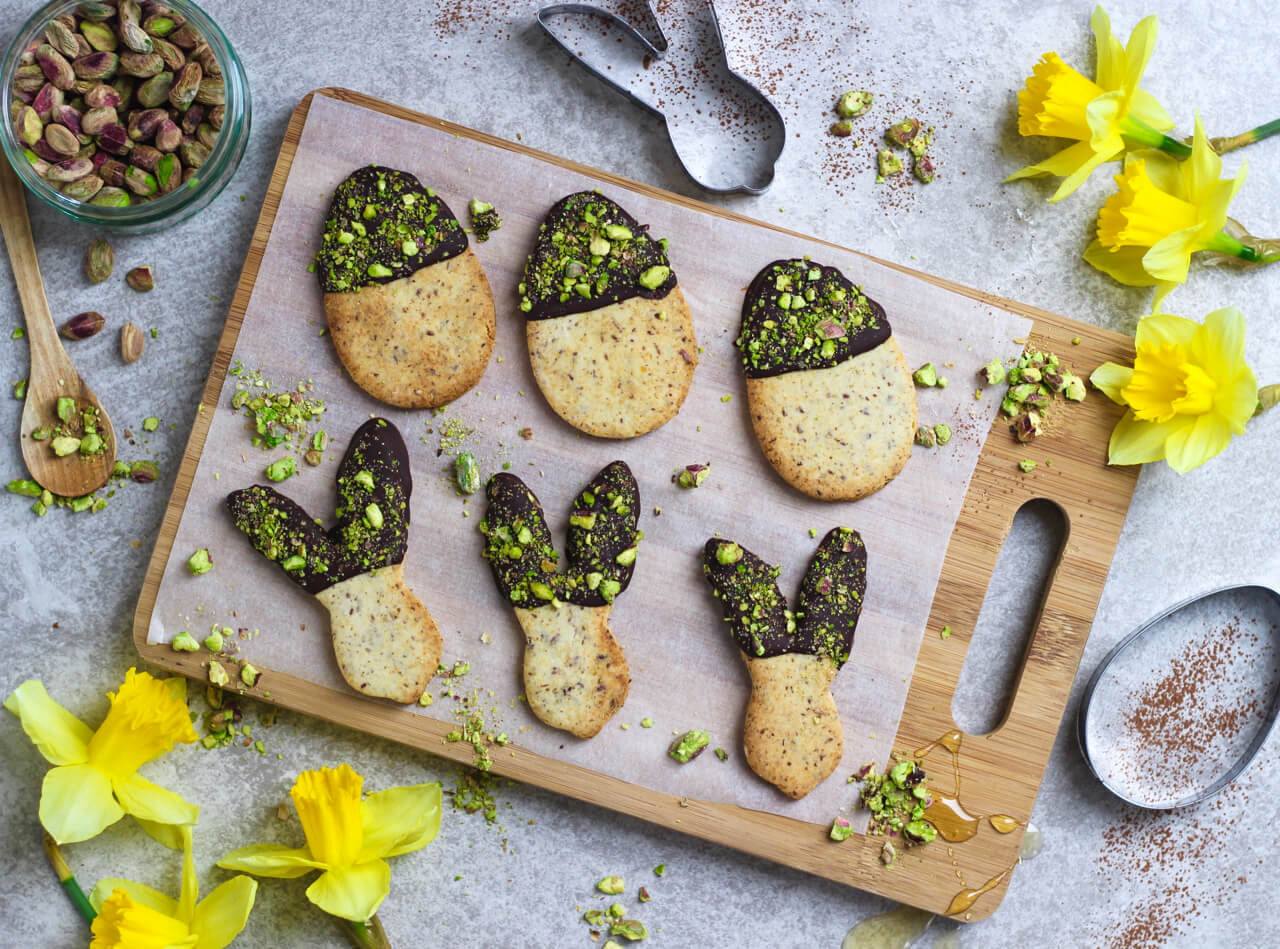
x=374 y=471
x=603 y=527
x=828 y=607
x=614 y=278
x=834 y=321
x=401 y=210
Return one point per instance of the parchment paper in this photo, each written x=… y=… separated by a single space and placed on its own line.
x=686 y=670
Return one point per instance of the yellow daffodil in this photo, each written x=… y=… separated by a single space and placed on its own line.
x=1101 y=114
x=347 y=838
x=95 y=781
x=1164 y=212
x=1188 y=392
x=134 y=916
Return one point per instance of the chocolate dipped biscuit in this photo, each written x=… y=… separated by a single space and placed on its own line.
x=408 y=305
x=829 y=391
x=386 y=643
x=611 y=340
x=792 y=734
x=575 y=673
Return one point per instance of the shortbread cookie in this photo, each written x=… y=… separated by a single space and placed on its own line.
x=610 y=337
x=792 y=734
x=386 y=643
x=829 y=391
x=575 y=674
x=408 y=305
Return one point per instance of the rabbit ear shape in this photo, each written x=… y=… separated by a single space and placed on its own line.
x=283 y=532
x=750 y=600
x=374 y=485
x=603 y=539
x=831 y=596
x=518 y=544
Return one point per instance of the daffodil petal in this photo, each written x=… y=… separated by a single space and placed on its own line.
x=271 y=860
x=1103 y=115
x=1162 y=168
x=1218 y=345
x=1203 y=169
x=138 y=892
x=353 y=892
x=1078 y=177
x=1163 y=289
x=221 y=915
x=1144 y=107
x=1213 y=209
x=1064 y=163
x=57 y=734
x=1142 y=43
x=1165 y=329
x=1110 y=378
x=76 y=803
x=1194 y=444
x=167 y=835
x=400 y=820
x=1110 y=53
x=150 y=802
x=1136 y=443
x=1170 y=259
x=1124 y=264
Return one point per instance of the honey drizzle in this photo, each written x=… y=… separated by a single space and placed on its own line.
x=966 y=898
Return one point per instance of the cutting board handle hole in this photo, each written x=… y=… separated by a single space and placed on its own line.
x=1009 y=615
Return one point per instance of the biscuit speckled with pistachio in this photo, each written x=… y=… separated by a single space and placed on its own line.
x=386 y=643
x=792 y=733
x=611 y=340
x=409 y=307
x=829 y=391
x=575 y=673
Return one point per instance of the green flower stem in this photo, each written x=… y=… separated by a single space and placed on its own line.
x=1142 y=134
x=367 y=935
x=1231 y=142
x=67 y=880
x=1268 y=398
x=1256 y=252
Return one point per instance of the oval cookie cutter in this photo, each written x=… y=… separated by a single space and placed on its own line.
x=725 y=132
x=1097 y=702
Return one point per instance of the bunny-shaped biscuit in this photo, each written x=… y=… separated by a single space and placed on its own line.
x=386 y=643
x=575 y=674
x=792 y=735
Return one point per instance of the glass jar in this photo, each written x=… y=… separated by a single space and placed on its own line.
x=154 y=213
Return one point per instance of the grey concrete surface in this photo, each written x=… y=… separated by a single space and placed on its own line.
x=69 y=583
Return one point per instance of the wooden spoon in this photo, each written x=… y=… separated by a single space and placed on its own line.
x=52 y=375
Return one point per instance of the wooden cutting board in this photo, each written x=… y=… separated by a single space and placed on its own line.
x=991 y=780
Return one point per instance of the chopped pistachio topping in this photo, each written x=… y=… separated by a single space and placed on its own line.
x=897 y=802
x=688 y=746
x=200 y=562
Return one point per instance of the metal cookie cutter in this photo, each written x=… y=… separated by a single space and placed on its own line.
x=726 y=134
x=1199 y=672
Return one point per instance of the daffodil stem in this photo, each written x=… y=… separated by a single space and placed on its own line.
x=67 y=879
x=1231 y=142
x=368 y=935
x=1174 y=147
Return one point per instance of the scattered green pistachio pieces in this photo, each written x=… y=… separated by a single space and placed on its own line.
x=213 y=642
x=217 y=674
x=249 y=674
x=1075 y=390
x=25 y=487
x=722 y=754
x=484 y=219
x=294 y=562
x=888 y=163
x=945 y=633
x=926 y=376
x=140 y=279
x=18 y=333
x=660 y=870
x=993 y=373
x=611 y=885
x=20 y=389
x=841 y=129
x=853 y=103
x=184 y=642
x=688 y=746
x=594 y=917
x=1027 y=465
x=65 y=445
x=653 y=277
x=728 y=553
x=841 y=829
x=65 y=408
x=373 y=514
x=631 y=929
x=942 y=432
x=200 y=562
x=925 y=437
x=364 y=479
x=150 y=424
x=467 y=473
x=691 y=476
x=99 y=261
x=617 y=910
x=281 y=468
x=646 y=722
